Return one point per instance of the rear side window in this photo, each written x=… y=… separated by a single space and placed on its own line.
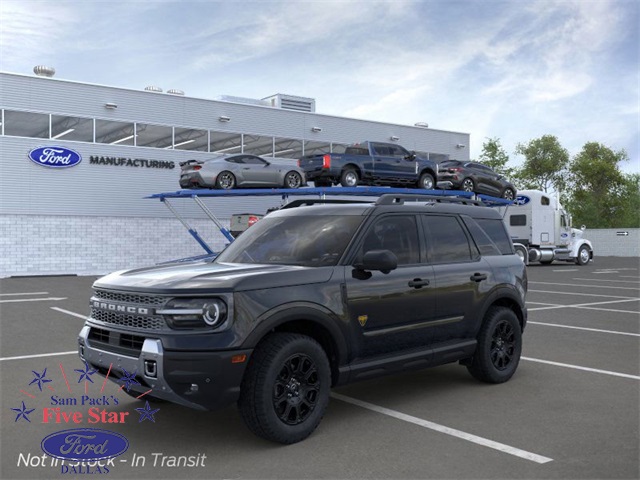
x=446 y=240
x=494 y=228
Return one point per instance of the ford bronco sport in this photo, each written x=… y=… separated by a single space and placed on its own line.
x=314 y=297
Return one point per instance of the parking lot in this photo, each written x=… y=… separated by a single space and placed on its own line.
x=571 y=410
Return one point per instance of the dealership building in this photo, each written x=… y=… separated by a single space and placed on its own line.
x=89 y=214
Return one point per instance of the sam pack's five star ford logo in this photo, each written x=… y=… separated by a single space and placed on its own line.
x=64 y=407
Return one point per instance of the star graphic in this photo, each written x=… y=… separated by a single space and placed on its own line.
x=23 y=413
x=129 y=379
x=40 y=378
x=146 y=412
x=86 y=373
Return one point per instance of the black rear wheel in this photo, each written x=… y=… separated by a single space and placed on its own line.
x=499 y=347
x=285 y=390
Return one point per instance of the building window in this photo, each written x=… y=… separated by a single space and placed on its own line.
x=287 y=148
x=191 y=139
x=72 y=128
x=26 y=124
x=155 y=136
x=258 y=145
x=225 y=142
x=115 y=133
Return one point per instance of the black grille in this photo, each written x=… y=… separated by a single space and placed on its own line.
x=139 y=322
x=115 y=342
x=129 y=298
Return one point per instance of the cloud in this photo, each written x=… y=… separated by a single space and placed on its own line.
x=28 y=34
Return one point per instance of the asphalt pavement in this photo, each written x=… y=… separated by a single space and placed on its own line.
x=571 y=410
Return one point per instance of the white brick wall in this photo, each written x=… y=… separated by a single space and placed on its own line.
x=55 y=245
x=607 y=242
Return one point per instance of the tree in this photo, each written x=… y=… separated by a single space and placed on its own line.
x=545 y=164
x=494 y=156
x=599 y=194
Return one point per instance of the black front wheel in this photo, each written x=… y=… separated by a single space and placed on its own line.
x=499 y=347
x=285 y=390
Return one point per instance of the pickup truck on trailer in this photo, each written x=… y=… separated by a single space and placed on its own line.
x=371 y=163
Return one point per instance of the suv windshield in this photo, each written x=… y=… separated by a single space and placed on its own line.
x=309 y=240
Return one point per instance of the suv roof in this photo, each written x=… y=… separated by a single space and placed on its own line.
x=385 y=204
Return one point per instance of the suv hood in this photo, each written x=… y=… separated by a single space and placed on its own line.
x=204 y=277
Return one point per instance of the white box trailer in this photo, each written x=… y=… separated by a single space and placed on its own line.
x=541 y=230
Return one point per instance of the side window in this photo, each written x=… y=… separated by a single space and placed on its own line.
x=447 y=240
x=253 y=160
x=545 y=201
x=398 y=233
x=494 y=228
x=380 y=149
x=518 y=220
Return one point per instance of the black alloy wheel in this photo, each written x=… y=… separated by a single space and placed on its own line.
x=295 y=394
x=503 y=345
x=499 y=347
x=285 y=389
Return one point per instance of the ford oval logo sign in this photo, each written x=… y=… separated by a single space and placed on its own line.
x=55 y=157
x=84 y=444
x=521 y=200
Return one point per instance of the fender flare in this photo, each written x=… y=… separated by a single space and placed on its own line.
x=297 y=311
x=499 y=294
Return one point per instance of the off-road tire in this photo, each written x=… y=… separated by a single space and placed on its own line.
x=285 y=390
x=499 y=347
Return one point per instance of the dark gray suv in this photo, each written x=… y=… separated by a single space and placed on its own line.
x=313 y=297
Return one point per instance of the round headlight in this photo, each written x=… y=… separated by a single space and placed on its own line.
x=214 y=313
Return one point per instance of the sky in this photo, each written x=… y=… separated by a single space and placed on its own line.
x=511 y=70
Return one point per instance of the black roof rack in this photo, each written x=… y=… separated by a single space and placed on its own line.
x=391 y=199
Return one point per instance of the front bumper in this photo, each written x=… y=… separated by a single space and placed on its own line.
x=201 y=380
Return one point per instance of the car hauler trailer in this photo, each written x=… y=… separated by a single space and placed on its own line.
x=319 y=192
x=541 y=230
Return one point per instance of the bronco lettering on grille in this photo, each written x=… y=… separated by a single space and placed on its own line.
x=122 y=308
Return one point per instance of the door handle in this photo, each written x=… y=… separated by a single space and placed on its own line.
x=418 y=283
x=478 y=277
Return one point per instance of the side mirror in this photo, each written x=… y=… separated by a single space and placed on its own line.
x=411 y=156
x=382 y=260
